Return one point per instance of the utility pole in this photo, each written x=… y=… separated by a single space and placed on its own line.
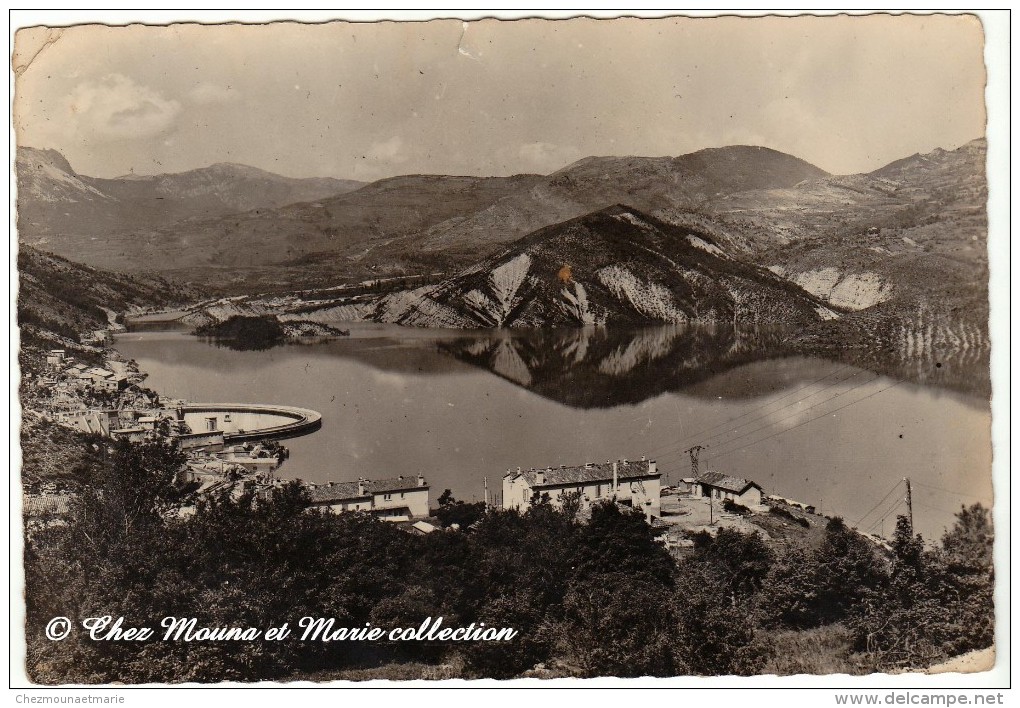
x=693 y=451
x=485 y=482
x=910 y=506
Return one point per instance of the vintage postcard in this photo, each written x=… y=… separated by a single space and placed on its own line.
x=504 y=349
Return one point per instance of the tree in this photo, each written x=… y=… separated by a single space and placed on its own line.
x=937 y=603
x=971 y=540
x=464 y=515
x=531 y=645
x=811 y=588
x=620 y=541
x=740 y=560
x=713 y=637
x=619 y=624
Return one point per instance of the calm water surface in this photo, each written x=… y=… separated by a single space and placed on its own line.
x=460 y=408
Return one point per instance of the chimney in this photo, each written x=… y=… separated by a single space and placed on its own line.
x=539 y=476
x=616 y=477
x=651 y=467
x=361 y=487
x=421 y=480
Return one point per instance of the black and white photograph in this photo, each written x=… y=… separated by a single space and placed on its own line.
x=515 y=351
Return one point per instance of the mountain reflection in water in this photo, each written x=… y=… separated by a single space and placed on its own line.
x=601 y=368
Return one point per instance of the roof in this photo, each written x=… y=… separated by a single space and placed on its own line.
x=340 y=491
x=592 y=472
x=727 y=483
x=99 y=372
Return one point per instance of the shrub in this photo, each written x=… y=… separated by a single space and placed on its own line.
x=735 y=508
x=785 y=514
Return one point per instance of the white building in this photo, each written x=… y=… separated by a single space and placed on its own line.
x=632 y=483
x=113 y=383
x=387 y=498
x=97 y=374
x=55 y=358
x=717 y=485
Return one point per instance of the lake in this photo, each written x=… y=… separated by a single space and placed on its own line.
x=461 y=407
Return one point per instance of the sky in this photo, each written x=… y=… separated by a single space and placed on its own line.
x=371 y=100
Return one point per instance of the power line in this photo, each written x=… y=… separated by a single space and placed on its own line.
x=676 y=446
x=885 y=513
x=824 y=415
x=797 y=413
x=947 y=491
x=765 y=405
x=937 y=508
x=790 y=405
x=880 y=502
x=725 y=423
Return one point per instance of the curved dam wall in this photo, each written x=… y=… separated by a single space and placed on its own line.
x=241 y=422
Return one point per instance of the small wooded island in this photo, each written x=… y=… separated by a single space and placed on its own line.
x=263 y=332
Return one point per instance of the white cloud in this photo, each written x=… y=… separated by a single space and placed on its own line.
x=115 y=107
x=390 y=151
x=538 y=157
x=206 y=92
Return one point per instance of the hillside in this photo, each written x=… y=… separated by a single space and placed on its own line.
x=59 y=301
x=912 y=232
x=403 y=225
x=74 y=214
x=358 y=232
x=645 y=183
x=354 y=237
x=616 y=266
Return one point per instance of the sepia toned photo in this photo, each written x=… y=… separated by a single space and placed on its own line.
x=504 y=349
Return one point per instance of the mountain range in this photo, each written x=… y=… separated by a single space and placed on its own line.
x=224 y=222
x=65 y=211
x=693 y=238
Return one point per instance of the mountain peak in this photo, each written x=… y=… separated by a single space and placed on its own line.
x=616 y=265
x=47 y=156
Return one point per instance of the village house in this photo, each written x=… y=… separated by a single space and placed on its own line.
x=77 y=371
x=97 y=337
x=98 y=374
x=205 y=441
x=632 y=483
x=112 y=384
x=55 y=358
x=396 y=499
x=101 y=422
x=133 y=434
x=256 y=459
x=717 y=485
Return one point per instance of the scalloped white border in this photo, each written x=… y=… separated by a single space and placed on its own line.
x=998 y=102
